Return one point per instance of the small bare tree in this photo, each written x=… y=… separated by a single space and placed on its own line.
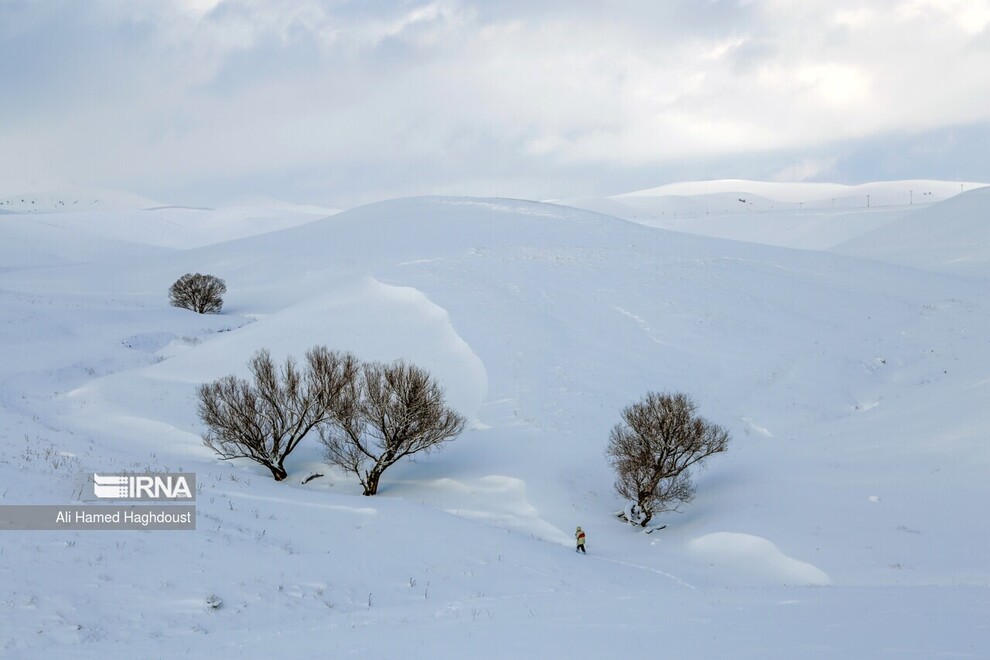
x=390 y=411
x=265 y=420
x=652 y=452
x=200 y=293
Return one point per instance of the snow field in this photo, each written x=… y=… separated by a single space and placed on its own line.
x=842 y=522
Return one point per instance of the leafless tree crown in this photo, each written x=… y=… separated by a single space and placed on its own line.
x=265 y=420
x=388 y=412
x=653 y=449
x=200 y=293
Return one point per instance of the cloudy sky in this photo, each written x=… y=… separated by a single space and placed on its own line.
x=337 y=102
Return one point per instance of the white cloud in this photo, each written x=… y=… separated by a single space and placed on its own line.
x=838 y=85
x=970 y=16
x=805 y=169
x=170 y=94
x=856 y=18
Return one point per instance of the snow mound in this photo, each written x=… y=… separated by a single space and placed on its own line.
x=747 y=560
x=497 y=500
x=362 y=317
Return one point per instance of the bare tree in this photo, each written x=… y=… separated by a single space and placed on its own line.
x=200 y=293
x=652 y=452
x=265 y=420
x=390 y=411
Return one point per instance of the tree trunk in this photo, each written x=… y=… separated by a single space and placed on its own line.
x=647 y=515
x=371 y=482
x=278 y=472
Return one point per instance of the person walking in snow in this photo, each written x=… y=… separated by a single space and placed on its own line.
x=579 y=535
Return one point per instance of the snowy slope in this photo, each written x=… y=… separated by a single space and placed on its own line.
x=953 y=237
x=841 y=522
x=817 y=216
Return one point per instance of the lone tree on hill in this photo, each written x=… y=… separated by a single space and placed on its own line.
x=265 y=420
x=388 y=412
x=200 y=293
x=653 y=449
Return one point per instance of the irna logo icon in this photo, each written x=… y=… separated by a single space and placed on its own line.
x=174 y=486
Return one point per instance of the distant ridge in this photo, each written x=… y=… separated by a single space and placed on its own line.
x=74 y=199
x=807 y=192
x=805 y=215
x=179 y=207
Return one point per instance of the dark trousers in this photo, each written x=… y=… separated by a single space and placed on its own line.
x=581 y=548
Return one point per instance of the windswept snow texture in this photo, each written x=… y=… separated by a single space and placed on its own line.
x=845 y=521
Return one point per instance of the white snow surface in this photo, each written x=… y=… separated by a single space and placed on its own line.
x=845 y=521
x=951 y=237
x=815 y=216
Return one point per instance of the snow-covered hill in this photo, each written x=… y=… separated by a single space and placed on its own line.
x=823 y=195
x=953 y=236
x=816 y=216
x=841 y=523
